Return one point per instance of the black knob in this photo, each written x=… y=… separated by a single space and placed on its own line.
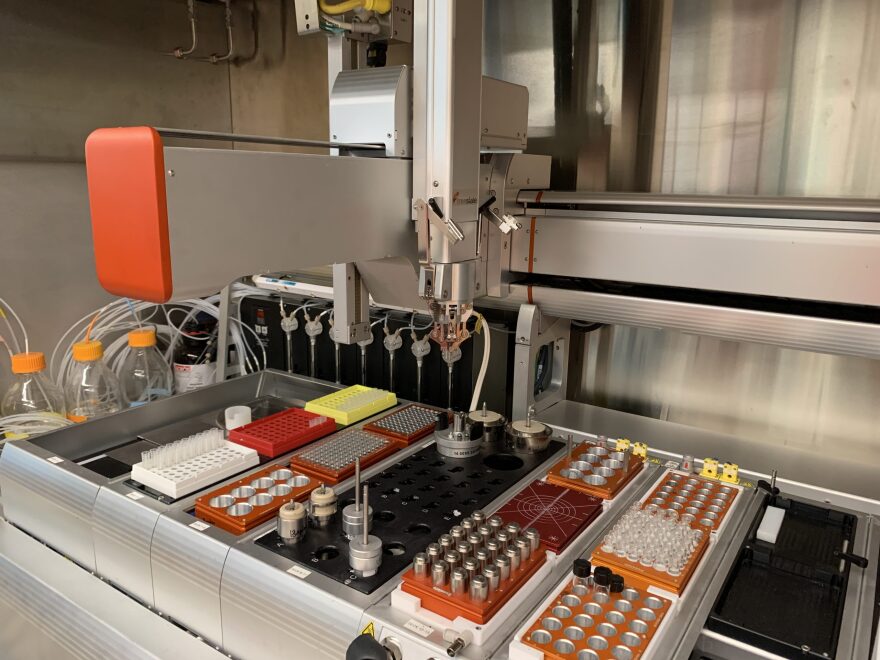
x=582 y=568
x=365 y=647
x=442 y=421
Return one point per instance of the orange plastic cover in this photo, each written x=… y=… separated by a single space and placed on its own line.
x=126 y=177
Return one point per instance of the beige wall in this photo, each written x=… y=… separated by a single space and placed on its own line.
x=68 y=68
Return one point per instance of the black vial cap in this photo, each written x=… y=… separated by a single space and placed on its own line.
x=603 y=570
x=602 y=579
x=582 y=568
x=616 y=583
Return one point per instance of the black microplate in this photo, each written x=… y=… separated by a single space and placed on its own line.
x=414 y=502
x=788 y=597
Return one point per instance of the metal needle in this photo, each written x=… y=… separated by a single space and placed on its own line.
x=357 y=484
x=366 y=537
x=449 y=387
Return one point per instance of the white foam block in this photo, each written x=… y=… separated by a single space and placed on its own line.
x=768 y=530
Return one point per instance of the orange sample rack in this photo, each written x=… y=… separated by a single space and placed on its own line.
x=596 y=471
x=702 y=502
x=447 y=604
x=408 y=424
x=254 y=499
x=332 y=459
x=582 y=623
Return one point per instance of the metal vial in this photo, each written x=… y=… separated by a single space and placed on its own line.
x=503 y=564
x=524 y=548
x=434 y=552
x=458 y=580
x=486 y=532
x=438 y=573
x=512 y=553
x=446 y=542
x=513 y=529
x=492 y=547
x=453 y=559
x=493 y=575
x=472 y=566
x=495 y=522
x=457 y=533
x=503 y=538
x=482 y=556
x=479 y=590
x=479 y=517
x=475 y=540
x=467 y=524
x=534 y=537
x=420 y=564
x=464 y=549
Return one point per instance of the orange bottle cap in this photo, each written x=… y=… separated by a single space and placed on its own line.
x=28 y=363
x=142 y=337
x=88 y=350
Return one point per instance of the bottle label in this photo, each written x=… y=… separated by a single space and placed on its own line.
x=189 y=377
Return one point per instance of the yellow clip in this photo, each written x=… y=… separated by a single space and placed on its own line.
x=730 y=473
x=640 y=449
x=622 y=444
x=710 y=468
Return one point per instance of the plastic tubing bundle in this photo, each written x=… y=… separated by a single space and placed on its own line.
x=115 y=319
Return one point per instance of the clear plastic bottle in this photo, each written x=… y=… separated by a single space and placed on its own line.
x=145 y=375
x=91 y=389
x=32 y=391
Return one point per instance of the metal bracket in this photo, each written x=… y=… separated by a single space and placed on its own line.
x=505 y=222
x=351 y=305
x=432 y=211
x=535 y=333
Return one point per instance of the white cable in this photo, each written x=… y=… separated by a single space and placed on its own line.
x=8 y=307
x=484 y=365
x=31 y=424
x=113 y=319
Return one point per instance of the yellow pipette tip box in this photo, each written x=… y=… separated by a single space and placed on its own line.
x=352 y=404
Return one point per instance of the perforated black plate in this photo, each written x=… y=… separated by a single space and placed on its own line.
x=414 y=502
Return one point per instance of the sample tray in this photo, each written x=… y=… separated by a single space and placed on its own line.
x=282 y=432
x=593 y=626
x=442 y=601
x=409 y=424
x=196 y=471
x=414 y=501
x=332 y=459
x=352 y=404
x=559 y=514
x=790 y=595
x=254 y=499
x=702 y=502
x=596 y=471
x=632 y=570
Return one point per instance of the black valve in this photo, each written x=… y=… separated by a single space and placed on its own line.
x=365 y=647
x=765 y=485
x=850 y=558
